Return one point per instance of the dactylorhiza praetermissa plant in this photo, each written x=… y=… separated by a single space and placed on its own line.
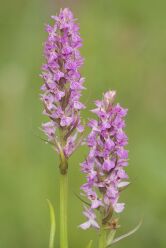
x=60 y=96
x=105 y=165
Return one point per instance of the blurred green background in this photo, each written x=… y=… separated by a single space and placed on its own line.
x=124 y=49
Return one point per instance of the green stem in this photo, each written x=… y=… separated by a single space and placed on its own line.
x=63 y=211
x=102 y=238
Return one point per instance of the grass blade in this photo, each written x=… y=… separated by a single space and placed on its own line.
x=53 y=224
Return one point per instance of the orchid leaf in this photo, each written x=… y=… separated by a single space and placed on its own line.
x=53 y=224
x=125 y=235
x=110 y=237
x=90 y=244
x=128 y=234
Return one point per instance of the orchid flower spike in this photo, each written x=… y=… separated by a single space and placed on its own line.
x=63 y=84
x=105 y=164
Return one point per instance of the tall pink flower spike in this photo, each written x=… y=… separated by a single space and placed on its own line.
x=63 y=84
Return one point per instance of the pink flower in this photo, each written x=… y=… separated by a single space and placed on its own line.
x=91 y=219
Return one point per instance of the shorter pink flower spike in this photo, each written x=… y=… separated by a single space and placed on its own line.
x=107 y=158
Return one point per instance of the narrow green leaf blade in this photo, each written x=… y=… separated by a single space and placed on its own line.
x=90 y=244
x=126 y=234
x=53 y=224
x=110 y=237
